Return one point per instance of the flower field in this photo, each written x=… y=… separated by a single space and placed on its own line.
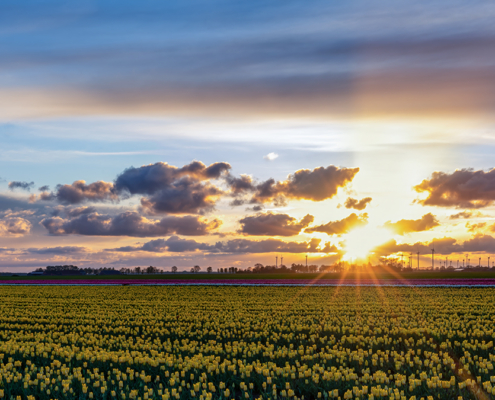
x=246 y=342
x=490 y=282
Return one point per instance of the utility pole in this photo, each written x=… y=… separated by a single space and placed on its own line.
x=276 y=261
x=418 y=259
x=433 y=259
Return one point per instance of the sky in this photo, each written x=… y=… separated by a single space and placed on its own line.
x=228 y=133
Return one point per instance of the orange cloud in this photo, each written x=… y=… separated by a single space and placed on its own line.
x=425 y=223
x=357 y=204
x=342 y=226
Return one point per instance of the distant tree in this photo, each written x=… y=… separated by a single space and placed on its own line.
x=196 y=268
x=209 y=269
x=137 y=270
x=174 y=269
x=297 y=268
x=312 y=268
x=152 y=270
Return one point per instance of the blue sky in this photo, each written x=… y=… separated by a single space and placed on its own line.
x=397 y=89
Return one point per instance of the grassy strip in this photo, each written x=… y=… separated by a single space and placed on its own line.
x=242 y=276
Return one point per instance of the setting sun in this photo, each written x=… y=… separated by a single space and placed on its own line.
x=360 y=242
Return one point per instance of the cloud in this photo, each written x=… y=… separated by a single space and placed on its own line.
x=129 y=224
x=357 y=204
x=270 y=156
x=190 y=190
x=173 y=244
x=475 y=227
x=235 y=246
x=425 y=223
x=465 y=188
x=332 y=57
x=21 y=185
x=183 y=197
x=316 y=185
x=14 y=226
x=153 y=178
x=271 y=246
x=342 y=226
x=79 y=192
x=444 y=246
x=60 y=250
x=270 y=224
x=44 y=188
x=462 y=214
x=76 y=212
x=167 y=189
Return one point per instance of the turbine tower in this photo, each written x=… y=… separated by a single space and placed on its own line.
x=433 y=259
x=418 y=259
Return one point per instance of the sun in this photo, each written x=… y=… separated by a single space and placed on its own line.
x=360 y=242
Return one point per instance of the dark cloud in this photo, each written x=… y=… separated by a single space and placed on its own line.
x=14 y=226
x=60 y=250
x=190 y=190
x=444 y=246
x=21 y=185
x=153 y=178
x=240 y=185
x=342 y=226
x=463 y=188
x=76 y=212
x=316 y=185
x=271 y=246
x=269 y=224
x=235 y=246
x=167 y=189
x=129 y=224
x=183 y=197
x=80 y=192
x=44 y=188
x=173 y=244
x=462 y=214
x=357 y=204
x=425 y=223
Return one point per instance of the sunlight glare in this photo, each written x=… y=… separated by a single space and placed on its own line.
x=360 y=242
